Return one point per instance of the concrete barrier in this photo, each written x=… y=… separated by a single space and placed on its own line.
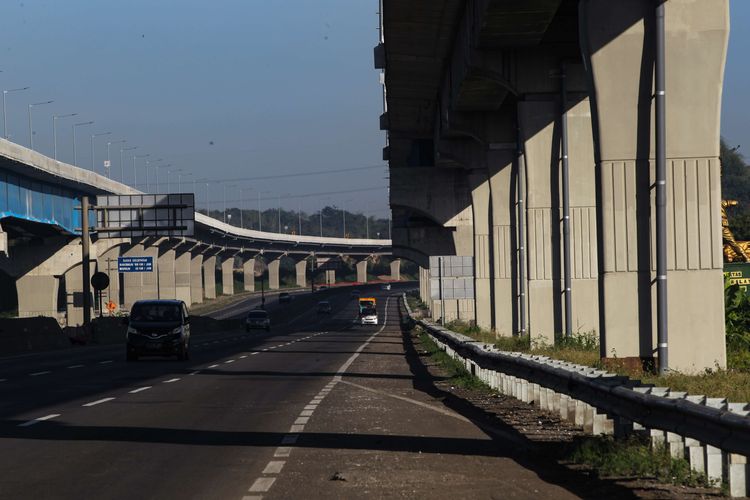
x=19 y=335
x=713 y=435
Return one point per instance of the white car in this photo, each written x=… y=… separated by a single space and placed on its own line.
x=387 y=286
x=369 y=317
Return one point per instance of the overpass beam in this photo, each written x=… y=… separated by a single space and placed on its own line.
x=227 y=276
x=618 y=42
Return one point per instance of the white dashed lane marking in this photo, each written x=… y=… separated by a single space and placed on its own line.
x=213 y=366
x=274 y=467
x=262 y=484
x=106 y=362
x=40 y=419
x=140 y=389
x=36 y=374
x=170 y=380
x=72 y=367
x=228 y=361
x=98 y=402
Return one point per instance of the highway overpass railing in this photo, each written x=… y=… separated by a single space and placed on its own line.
x=712 y=434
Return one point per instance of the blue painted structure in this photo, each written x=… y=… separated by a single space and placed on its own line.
x=38 y=201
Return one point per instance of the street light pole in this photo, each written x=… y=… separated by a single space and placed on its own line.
x=122 y=168
x=260 y=218
x=279 y=226
x=156 y=170
x=73 y=127
x=146 y=165
x=135 y=174
x=31 y=127
x=93 y=163
x=54 y=129
x=5 y=117
x=109 y=161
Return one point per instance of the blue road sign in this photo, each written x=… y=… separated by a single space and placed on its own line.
x=135 y=264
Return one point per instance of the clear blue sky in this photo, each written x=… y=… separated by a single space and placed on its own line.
x=232 y=88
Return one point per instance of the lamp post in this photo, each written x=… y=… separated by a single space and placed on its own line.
x=279 y=226
x=75 y=158
x=5 y=117
x=146 y=165
x=122 y=168
x=93 y=136
x=260 y=218
x=299 y=215
x=156 y=170
x=31 y=127
x=243 y=206
x=169 y=183
x=109 y=161
x=179 y=180
x=54 y=129
x=135 y=174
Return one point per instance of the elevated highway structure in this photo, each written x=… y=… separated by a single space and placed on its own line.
x=41 y=251
x=515 y=126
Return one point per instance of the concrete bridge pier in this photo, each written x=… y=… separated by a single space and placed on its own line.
x=209 y=275
x=396 y=269
x=182 y=276
x=618 y=42
x=227 y=275
x=301 y=271
x=139 y=286
x=362 y=271
x=166 y=271
x=273 y=273
x=196 y=277
x=108 y=251
x=248 y=274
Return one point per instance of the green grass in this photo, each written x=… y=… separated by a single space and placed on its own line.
x=634 y=457
x=456 y=373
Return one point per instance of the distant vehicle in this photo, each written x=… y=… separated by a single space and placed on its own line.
x=354 y=293
x=366 y=303
x=158 y=328
x=284 y=297
x=257 y=319
x=324 y=307
x=369 y=316
x=387 y=286
x=322 y=287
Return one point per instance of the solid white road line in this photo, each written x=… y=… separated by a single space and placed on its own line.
x=98 y=402
x=170 y=381
x=36 y=374
x=140 y=389
x=40 y=419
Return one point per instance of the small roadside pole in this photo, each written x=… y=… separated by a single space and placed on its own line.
x=85 y=264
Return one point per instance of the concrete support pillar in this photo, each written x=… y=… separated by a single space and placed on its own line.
x=620 y=64
x=248 y=274
x=182 y=282
x=227 y=276
x=301 y=269
x=74 y=303
x=139 y=286
x=396 y=269
x=37 y=295
x=480 y=204
x=331 y=276
x=273 y=273
x=196 y=278
x=166 y=273
x=540 y=125
x=107 y=263
x=362 y=271
x=209 y=277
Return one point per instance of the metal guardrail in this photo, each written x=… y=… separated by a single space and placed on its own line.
x=694 y=427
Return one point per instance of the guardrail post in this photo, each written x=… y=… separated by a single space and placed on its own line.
x=714 y=457
x=675 y=442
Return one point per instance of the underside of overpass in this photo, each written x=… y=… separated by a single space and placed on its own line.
x=513 y=123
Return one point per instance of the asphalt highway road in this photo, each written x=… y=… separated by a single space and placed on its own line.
x=84 y=423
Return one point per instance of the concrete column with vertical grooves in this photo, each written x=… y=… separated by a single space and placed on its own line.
x=396 y=270
x=141 y=286
x=301 y=271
